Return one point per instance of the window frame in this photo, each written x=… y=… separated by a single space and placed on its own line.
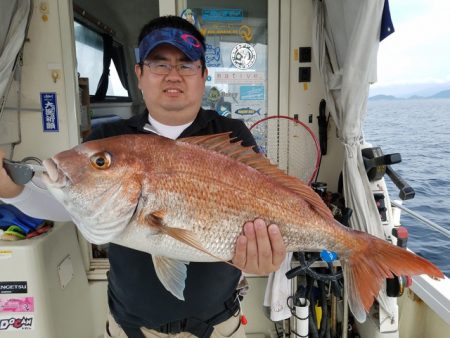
x=108 y=98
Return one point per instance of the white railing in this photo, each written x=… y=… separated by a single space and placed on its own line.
x=417 y=216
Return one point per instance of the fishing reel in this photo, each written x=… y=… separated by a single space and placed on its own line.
x=334 y=201
x=377 y=165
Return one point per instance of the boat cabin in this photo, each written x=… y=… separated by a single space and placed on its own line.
x=297 y=72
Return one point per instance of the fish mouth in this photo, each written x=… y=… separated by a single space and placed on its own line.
x=53 y=176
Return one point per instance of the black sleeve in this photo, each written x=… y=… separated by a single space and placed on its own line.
x=95 y=134
x=241 y=132
x=109 y=129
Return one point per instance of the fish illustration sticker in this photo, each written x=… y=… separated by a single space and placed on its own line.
x=243 y=56
x=247 y=111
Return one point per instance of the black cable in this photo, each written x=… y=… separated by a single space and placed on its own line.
x=324 y=323
x=305 y=269
x=312 y=314
x=279 y=334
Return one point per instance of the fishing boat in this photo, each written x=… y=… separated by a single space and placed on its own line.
x=297 y=72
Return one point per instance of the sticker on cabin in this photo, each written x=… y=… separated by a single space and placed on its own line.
x=5 y=254
x=243 y=56
x=213 y=95
x=244 y=31
x=246 y=111
x=212 y=56
x=189 y=15
x=218 y=14
x=231 y=95
x=16 y=323
x=13 y=287
x=251 y=92
x=223 y=108
x=249 y=112
x=16 y=304
x=49 y=110
x=239 y=77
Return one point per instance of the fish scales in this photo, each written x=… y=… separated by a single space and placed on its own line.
x=223 y=199
x=187 y=200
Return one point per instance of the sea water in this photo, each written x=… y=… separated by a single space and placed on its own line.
x=418 y=129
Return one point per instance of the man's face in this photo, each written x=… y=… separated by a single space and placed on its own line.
x=171 y=99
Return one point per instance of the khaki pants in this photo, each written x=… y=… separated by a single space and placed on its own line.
x=231 y=328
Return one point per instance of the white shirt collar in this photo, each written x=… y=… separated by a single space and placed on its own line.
x=172 y=132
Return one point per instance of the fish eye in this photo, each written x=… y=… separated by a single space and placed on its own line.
x=101 y=160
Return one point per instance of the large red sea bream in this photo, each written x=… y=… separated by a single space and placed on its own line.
x=187 y=200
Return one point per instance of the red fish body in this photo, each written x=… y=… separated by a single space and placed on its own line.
x=187 y=200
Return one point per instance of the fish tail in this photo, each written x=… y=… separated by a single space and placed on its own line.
x=369 y=265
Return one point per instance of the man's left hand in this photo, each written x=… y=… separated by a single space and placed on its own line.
x=260 y=250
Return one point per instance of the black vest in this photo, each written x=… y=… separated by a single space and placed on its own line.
x=135 y=295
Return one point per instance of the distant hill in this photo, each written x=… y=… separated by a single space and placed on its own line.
x=409 y=89
x=383 y=97
x=445 y=94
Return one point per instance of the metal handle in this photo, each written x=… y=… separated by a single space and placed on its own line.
x=406 y=191
x=19 y=172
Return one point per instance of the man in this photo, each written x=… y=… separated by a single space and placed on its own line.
x=171 y=74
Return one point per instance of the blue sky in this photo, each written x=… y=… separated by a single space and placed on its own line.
x=419 y=50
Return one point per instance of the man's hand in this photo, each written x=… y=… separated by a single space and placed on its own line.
x=8 y=189
x=260 y=250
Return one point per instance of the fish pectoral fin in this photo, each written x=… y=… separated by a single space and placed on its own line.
x=189 y=238
x=172 y=274
x=158 y=214
x=155 y=219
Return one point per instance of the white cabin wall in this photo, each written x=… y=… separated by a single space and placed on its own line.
x=9 y=121
x=99 y=306
x=304 y=99
x=50 y=46
x=43 y=53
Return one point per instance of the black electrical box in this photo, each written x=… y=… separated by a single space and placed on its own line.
x=304 y=74
x=304 y=54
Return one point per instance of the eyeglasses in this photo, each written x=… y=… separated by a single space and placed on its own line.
x=164 y=68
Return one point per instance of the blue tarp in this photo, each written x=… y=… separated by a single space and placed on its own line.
x=10 y=215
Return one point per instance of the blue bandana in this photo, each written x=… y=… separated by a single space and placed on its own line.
x=178 y=38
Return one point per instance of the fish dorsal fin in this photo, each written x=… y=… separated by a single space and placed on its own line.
x=222 y=143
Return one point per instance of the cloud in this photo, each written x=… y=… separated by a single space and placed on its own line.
x=419 y=49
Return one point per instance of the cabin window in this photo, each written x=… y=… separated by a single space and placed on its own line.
x=101 y=59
